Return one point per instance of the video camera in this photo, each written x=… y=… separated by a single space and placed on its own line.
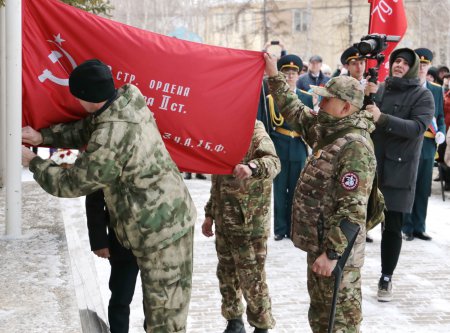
x=371 y=47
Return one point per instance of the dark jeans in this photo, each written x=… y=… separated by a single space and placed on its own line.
x=391 y=241
x=122 y=282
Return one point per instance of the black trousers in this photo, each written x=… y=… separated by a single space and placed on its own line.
x=391 y=241
x=122 y=283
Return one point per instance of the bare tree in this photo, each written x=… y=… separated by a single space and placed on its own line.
x=93 y=6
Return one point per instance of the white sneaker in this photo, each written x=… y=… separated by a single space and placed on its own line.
x=384 y=290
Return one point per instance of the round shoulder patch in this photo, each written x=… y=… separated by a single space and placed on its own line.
x=350 y=181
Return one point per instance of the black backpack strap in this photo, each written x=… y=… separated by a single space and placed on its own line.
x=331 y=138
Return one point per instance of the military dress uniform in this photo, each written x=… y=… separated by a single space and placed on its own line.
x=414 y=223
x=335 y=184
x=291 y=149
x=241 y=213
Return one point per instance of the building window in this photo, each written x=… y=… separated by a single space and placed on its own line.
x=301 y=20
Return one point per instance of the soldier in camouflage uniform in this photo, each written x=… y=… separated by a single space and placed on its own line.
x=150 y=207
x=240 y=206
x=335 y=184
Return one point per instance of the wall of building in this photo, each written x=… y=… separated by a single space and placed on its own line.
x=306 y=27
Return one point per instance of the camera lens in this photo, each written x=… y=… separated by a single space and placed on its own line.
x=367 y=46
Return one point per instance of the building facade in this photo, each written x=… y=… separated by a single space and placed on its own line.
x=305 y=27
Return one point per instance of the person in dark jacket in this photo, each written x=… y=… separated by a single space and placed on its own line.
x=314 y=76
x=124 y=268
x=404 y=109
x=414 y=224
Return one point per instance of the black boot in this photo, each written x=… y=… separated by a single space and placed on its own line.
x=235 y=326
x=200 y=176
x=188 y=175
x=260 y=330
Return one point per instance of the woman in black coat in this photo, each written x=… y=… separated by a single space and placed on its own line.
x=404 y=109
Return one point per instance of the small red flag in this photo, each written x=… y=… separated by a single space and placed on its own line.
x=387 y=17
x=204 y=97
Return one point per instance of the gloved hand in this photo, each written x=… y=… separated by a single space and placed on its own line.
x=439 y=138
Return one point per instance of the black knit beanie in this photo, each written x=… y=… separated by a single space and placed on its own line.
x=92 y=81
x=408 y=56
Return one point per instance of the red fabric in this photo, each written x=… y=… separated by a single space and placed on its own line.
x=447 y=109
x=387 y=17
x=204 y=97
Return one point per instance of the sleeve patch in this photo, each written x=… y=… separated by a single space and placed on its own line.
x=350 y=181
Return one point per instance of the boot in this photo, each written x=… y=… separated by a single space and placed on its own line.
x=200 y=176
x=260 y=330
x=188 y=175
x=235 y=326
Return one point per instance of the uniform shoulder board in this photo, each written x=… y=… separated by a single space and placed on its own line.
x=305 y=92
x=435 y=84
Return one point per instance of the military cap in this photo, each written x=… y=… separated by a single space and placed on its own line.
x=290 y=61
x=425 y=55
x=350 y=54
x=343 y=87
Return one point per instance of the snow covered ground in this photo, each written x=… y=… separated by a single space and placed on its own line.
x=421 y=282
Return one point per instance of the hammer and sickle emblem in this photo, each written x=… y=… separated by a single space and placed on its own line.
x=54 y=57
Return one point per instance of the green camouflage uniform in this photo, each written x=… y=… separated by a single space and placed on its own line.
x=334 y=185
x=150 y=207
x=241 y=211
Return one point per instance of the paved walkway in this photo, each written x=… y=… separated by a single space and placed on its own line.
x=39 y=293
x=421 y=283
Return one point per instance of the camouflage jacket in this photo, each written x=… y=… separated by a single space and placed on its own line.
x=149 y=204
x=242 y=207
x=336 y=181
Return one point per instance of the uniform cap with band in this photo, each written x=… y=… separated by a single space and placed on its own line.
x=425 y=55
x=352 y=53
x=290 y=61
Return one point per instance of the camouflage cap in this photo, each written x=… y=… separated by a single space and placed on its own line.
x=343 y=87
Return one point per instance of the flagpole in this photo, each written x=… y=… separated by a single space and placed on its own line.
x=13 y=118
x=2 y=98
x=370 y=16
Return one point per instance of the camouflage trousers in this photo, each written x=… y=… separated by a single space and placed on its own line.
x=241 y=272
x=348 y=308
x=166 y=285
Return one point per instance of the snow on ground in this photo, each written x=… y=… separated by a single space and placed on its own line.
x=421 y=283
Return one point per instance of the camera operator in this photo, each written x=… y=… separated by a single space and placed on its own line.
x=402 y=112
x=414 y=226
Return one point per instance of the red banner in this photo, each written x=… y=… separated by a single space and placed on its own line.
x=387 y=17
x=204 y=97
